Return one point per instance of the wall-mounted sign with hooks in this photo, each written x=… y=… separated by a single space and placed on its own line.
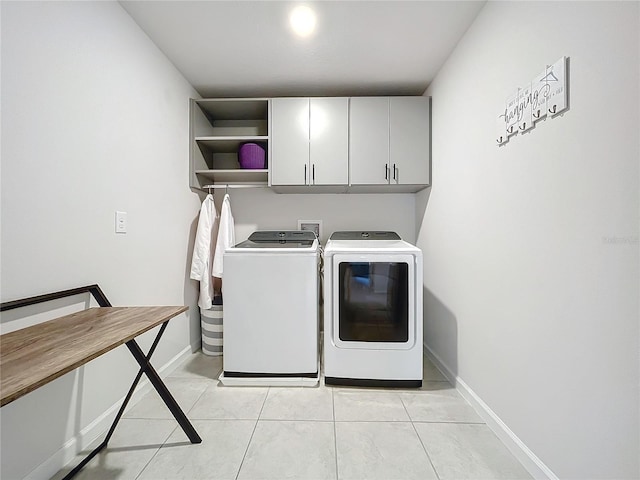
x=545 y=95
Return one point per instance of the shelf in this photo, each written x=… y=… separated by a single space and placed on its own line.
x=217 y=129
x=228 y=144
x=234 y=108
x=236 y=175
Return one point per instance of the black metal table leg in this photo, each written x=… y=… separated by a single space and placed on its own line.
x=164 y=393
x=156 y=381
x=133 y=386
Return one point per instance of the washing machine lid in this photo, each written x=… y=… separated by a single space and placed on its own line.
x=279 y=239
x=367 y=235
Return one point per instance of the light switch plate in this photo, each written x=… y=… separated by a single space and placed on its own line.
x=121 y=222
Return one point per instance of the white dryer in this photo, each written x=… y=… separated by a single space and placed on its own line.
x=271 y=324
x=372 y=310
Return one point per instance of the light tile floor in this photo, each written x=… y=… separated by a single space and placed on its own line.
x=303 y=433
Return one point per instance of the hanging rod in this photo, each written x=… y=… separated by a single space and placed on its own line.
x=234 y=185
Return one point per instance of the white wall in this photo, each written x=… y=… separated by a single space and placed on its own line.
x=531 y=249
x=94 y=120
x=262 y=209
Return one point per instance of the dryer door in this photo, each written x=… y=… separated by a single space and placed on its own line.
x=374 y=301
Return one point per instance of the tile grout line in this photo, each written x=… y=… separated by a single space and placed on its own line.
x=197 y=400
x=288 y=420
x=129 y=416
x=420 y=439
x=335 y=433
x=174 y=429
x=425 y=451
x=156 y=452
x=448 y=422
x=253 y=432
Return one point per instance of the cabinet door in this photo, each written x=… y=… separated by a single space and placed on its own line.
x=329 y=141
x=409 y=140
x=290 y=141
x=369 y=140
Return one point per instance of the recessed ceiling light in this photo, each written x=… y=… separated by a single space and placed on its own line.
x=302 y=20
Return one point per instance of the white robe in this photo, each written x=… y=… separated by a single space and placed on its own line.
x=226 y=237
x=203 y=251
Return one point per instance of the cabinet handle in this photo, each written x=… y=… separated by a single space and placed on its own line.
x=305 y=173
x=394 y=171
x=313 y=173
x=386 y=171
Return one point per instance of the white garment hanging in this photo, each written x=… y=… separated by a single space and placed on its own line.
x=203 y=251
x=226 y=236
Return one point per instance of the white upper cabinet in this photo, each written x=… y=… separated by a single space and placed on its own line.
x=369 y=140
x=409 y=140
x=389 y=142
x=290 y=141
x=329 y=141
x=309 y=141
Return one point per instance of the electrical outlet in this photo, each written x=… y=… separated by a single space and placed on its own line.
x=311 y=225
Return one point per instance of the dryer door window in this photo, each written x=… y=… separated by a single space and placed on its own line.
x=373 y=302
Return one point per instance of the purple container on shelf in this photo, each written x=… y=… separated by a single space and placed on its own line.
x=251 y=156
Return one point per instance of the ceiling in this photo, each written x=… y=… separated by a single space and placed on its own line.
x=246 y=48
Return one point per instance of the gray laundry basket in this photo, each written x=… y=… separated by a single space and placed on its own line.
x=211 y=325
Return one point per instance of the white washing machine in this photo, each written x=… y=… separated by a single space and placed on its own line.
x=372 y=310
x=270 y=294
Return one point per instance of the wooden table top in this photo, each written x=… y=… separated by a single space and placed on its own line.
x=36 y=355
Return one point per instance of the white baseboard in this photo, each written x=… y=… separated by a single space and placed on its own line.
x=55 y=462
x=529 y=460
x=101 y=424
